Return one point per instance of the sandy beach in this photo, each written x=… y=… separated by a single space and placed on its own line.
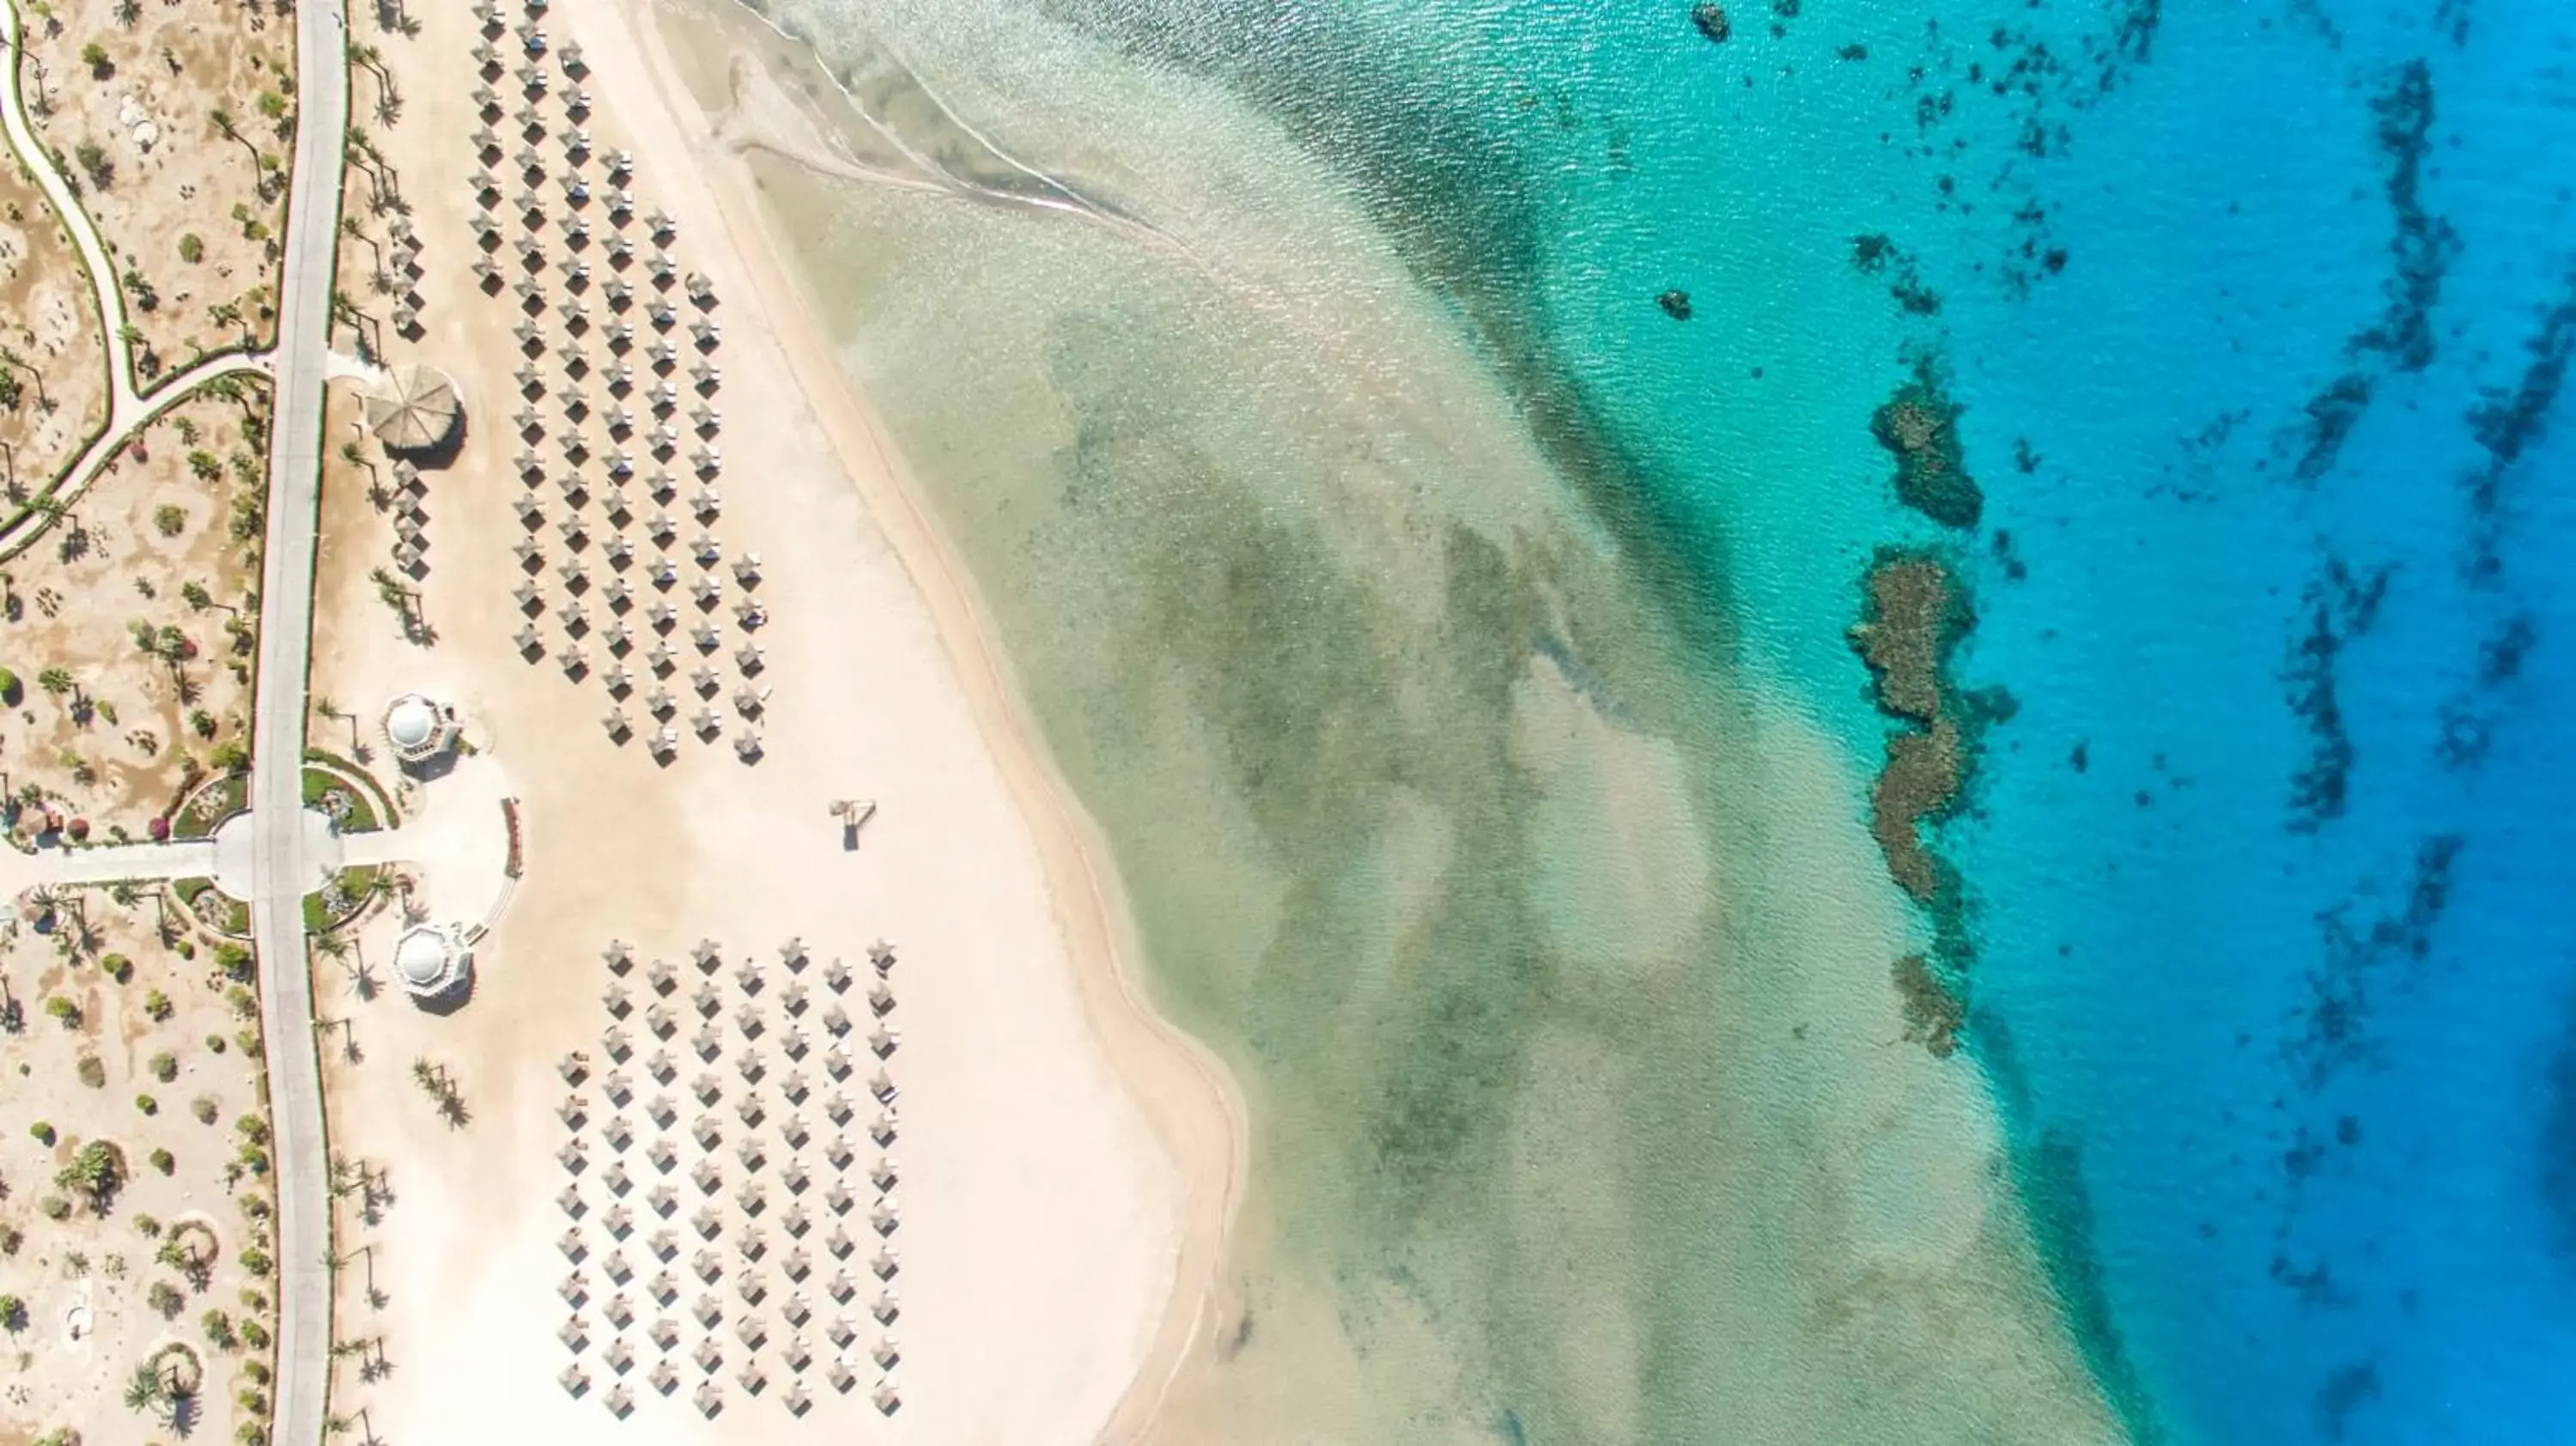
x=1066 y=1163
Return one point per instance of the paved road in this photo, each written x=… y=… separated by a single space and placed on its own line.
x=281 y=871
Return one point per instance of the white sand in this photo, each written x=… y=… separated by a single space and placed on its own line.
x=1066 y=1164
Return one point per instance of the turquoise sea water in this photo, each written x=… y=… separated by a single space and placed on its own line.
x=2258 y=314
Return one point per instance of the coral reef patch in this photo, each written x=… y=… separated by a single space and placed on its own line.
x=1919 y=427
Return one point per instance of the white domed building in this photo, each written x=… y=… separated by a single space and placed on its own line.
x=431 y=960
x=418 y=728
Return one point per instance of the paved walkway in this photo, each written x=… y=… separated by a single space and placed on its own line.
x=281 y=868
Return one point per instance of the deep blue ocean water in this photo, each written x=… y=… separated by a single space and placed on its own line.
x=2258 y=314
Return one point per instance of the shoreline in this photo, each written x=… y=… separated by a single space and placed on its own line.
x=1191 y=1102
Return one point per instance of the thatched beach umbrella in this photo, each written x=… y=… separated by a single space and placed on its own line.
x=415 y=411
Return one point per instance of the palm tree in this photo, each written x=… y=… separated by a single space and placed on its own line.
x=143 y=1389
x=14 y=363
x=356 y=230
x=224 y=126
x=55 y=681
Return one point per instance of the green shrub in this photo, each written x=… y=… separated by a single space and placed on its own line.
x=43 y=1132
x=164 y=1161
x=192 y=247
x=55 y=1207
x=219 y=1329
x=93 y=1071
x=117 y=967
x=204 y=1109
x=64 y=1010
x=253 y=1334
x=215 y=1042
x=235 y=961
x=165 y=1066
x=170 y=519
x=147 y=1104
x=157 y=1005
x=148 y=1225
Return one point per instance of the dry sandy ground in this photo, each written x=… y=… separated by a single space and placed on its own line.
x=113 y=736
x=164 y=171
x=1065 y=1164
x=166 y=1036
x=50 y=331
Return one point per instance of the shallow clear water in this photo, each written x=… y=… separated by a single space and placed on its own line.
x=1451 y=641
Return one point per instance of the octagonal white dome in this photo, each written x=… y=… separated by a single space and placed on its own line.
x=411 y=722
x=423 y=958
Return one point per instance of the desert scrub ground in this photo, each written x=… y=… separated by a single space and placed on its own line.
x=127 y=629
x=53 y=363
x=135 y=1230
x=175 y=119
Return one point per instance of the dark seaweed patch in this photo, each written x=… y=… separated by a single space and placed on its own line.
x=2335 y=1031
x=2052 y=1173
x=2557 y=1175
x=2425 y=243
x=2339 y=607
x=2342 y=1393
x=1879 y=255
x=2331 y=416
x=2507 y=423
x=2501 y=656
x=2420 y=253
x=1933 y=1009
x=2469 y=717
